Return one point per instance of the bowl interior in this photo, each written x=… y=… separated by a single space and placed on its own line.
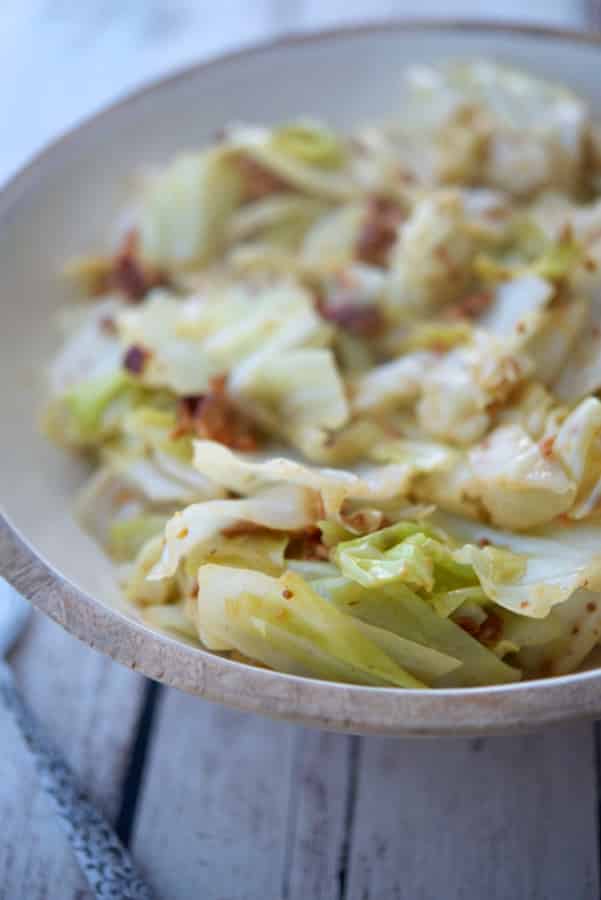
x=65 y=203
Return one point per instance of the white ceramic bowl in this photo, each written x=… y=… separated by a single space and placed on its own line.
x=63 y=203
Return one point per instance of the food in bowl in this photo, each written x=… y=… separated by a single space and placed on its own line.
x=339 y=391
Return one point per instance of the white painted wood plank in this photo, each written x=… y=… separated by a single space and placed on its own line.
x=315 y=13
x=592 y=13
x=88 y=703
x=89 y=706
x=212 y=816
x=497 y=818
x=320 y=798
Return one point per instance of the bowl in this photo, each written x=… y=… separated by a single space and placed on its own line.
x=62 y=203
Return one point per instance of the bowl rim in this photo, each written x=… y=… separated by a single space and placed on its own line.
x=341 y=707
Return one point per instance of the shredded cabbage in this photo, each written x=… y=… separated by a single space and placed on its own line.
x=519 y=485
x=301 y=167
x=186 y=208
x=311 y=143
x=398 y=610
x=360 y=369
x=557 y=561
x=281 y=508
x=286 y=620
x=431 y=260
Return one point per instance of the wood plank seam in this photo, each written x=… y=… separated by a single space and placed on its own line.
x=292 y=815
x=354 y=750
x=134 y=775
x=593 y=14
x=597 y=764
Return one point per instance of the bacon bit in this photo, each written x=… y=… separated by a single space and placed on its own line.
x=546 y=447
x=470 y=307
x=442 y=254
x=590 y=265
x=491 y=629
x=186 y=409
x=183 y=533
x=287 y=594
x=130 y=275
x=213 y=417
x=195 y=590
x=566 y=233
x=439 y=347
x=576 y=629
x=496 y=213
x=488 y=632
x=360 y=320
x=591 y=606
x=237 y=529
x=307 y=545
x=560 y=299
x=468 y=625
x=258 y=181
x=546 y=669
x=378 y=231
x=123 y=496
x=331 y=438
x=564 y=519
x=484 y=542
x=494 y=408
x=364 y=521
x=107 y=325
x=524 y=604
x=135 y=359
x=404 y=177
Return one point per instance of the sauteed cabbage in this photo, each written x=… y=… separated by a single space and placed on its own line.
x=340 y=392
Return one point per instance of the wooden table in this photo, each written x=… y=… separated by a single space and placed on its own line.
x=224 y=806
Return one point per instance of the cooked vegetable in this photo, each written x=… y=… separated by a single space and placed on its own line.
x=400 y=611
x=186 y=209
x=339 y=391
x=536 y=572
x=285 y=618
x=303 y=157
x=311 y=143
